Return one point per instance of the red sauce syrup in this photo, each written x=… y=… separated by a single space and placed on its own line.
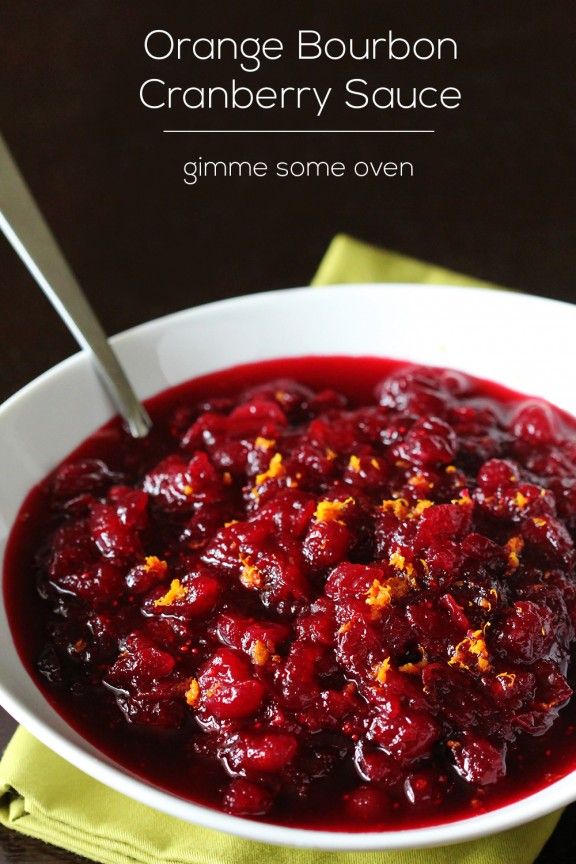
x=345 y=603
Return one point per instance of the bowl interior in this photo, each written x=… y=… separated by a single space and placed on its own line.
x=509 y=338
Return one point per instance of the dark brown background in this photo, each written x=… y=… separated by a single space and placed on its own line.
x=493 y=193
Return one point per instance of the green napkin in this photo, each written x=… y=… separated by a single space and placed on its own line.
x=350 y=260
x=47 y=798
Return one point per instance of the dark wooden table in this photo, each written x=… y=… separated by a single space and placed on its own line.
x=493 y=192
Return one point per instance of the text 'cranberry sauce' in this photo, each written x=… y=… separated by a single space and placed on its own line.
x=344 y=603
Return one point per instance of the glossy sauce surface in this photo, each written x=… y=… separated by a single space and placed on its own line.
x=346 y=603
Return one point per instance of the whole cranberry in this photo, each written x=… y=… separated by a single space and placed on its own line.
x=368 y=804
x=260 y=752
x=524 y=633
x=157 y=713
x=114 y=536
x=91 y=476
x=498 y=474
x=477 y=760
x=227 y=687
x=373 y=765
x=243 y=798
x=413 y=389
x=429 y=442
x=326 y=543
x=406 y=735
x=535 y=423
x=424 y=788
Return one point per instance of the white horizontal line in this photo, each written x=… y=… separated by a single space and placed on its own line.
x=303 y=131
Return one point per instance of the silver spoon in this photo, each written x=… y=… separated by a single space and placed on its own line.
x=25 y=228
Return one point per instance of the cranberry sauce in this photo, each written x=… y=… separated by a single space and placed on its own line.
x=344 y=603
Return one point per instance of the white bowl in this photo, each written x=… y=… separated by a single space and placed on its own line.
x=510 y=338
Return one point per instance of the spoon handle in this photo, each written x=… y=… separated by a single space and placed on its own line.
x=26 y=230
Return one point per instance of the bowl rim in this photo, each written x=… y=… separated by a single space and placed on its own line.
x=536 y=804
